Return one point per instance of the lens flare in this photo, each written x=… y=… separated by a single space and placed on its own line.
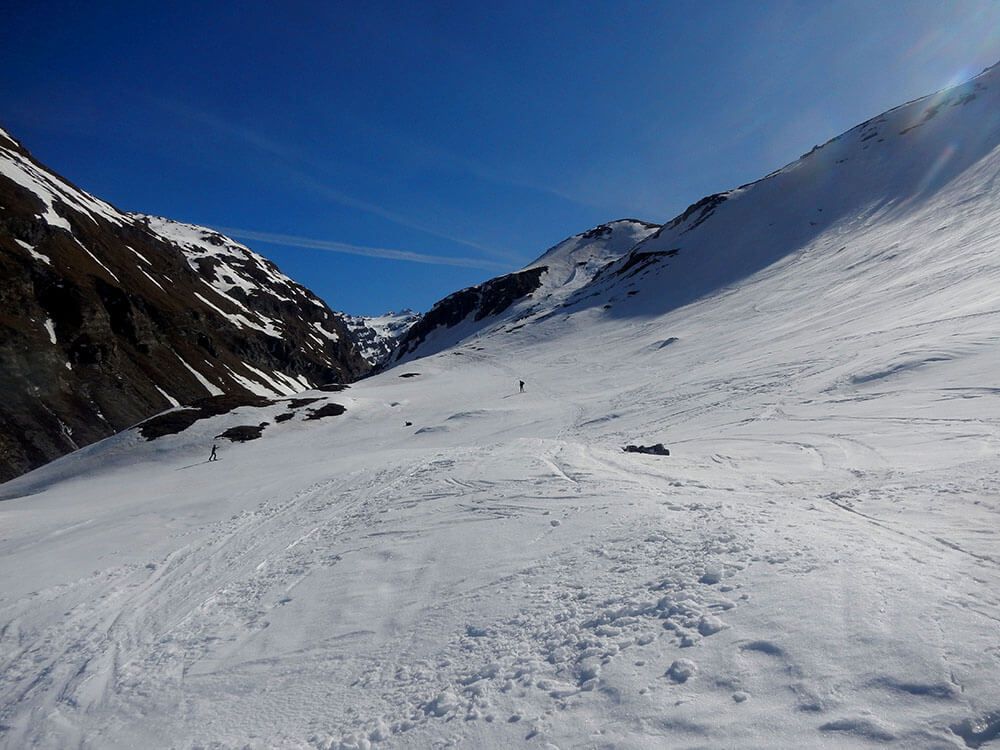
x=943 y=158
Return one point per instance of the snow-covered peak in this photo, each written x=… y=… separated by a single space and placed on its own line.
x=54 y=194
x=229 y=264
x=392 y=322
x=377 y=335
x=243 y=279
x=603 y=243
x=574 y=261
x=537 y=290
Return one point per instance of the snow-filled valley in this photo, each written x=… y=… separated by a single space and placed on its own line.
x=450 y=562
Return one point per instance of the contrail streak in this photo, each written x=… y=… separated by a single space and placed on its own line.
x=371 y=252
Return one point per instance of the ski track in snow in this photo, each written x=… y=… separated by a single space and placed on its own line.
x=567 y=625
x=604 y=580
x=613 y=600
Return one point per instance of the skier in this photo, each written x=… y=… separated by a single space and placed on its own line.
x=213 y=457
x=521 y=383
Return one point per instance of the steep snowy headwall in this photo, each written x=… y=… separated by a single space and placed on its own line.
x=884 y=168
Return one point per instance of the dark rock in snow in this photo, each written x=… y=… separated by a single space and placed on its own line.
x=243 y=432
x=178 y=420
x=478 y=302
x=332 y=387
x=328 y=410
x=653 y=450
x=703 y=208
x=296 y=403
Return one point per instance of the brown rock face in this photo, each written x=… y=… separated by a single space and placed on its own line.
x=107 y=318
x=478 y=302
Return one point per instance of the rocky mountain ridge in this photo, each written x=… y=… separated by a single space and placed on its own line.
x=108 y=317
x=537 y=289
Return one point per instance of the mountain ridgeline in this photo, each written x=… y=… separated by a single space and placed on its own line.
x=875 y=171
x=109 y=317
x=517 y=297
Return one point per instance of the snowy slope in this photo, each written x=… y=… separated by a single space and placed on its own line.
x=236 y=273
x=575 y=261
x=816 y=565
x=50 y=189
x=887 y=167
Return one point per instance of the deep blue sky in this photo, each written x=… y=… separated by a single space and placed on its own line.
x=476 y=132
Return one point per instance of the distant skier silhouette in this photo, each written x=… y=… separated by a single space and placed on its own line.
x=213 y=457
x=521 y=383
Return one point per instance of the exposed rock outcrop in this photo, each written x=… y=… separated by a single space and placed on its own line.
x=107 y=318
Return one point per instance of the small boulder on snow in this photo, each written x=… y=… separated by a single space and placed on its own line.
x=710 y=624
x=682 y=670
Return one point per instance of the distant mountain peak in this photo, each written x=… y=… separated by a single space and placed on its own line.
x=378 y=335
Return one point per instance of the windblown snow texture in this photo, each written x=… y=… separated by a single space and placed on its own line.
x=448 y=562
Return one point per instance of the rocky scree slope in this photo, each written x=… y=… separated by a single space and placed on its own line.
x=109 y=317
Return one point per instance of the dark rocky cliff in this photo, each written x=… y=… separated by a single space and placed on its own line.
x=478 y=302
x=107 y=318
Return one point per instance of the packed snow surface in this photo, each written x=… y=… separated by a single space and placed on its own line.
x=454 y=563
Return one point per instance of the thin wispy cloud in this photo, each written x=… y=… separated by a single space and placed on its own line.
x=225 y=127
x=286 y=155
x=330 y=246
x=350 y=201
x=410 y=146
